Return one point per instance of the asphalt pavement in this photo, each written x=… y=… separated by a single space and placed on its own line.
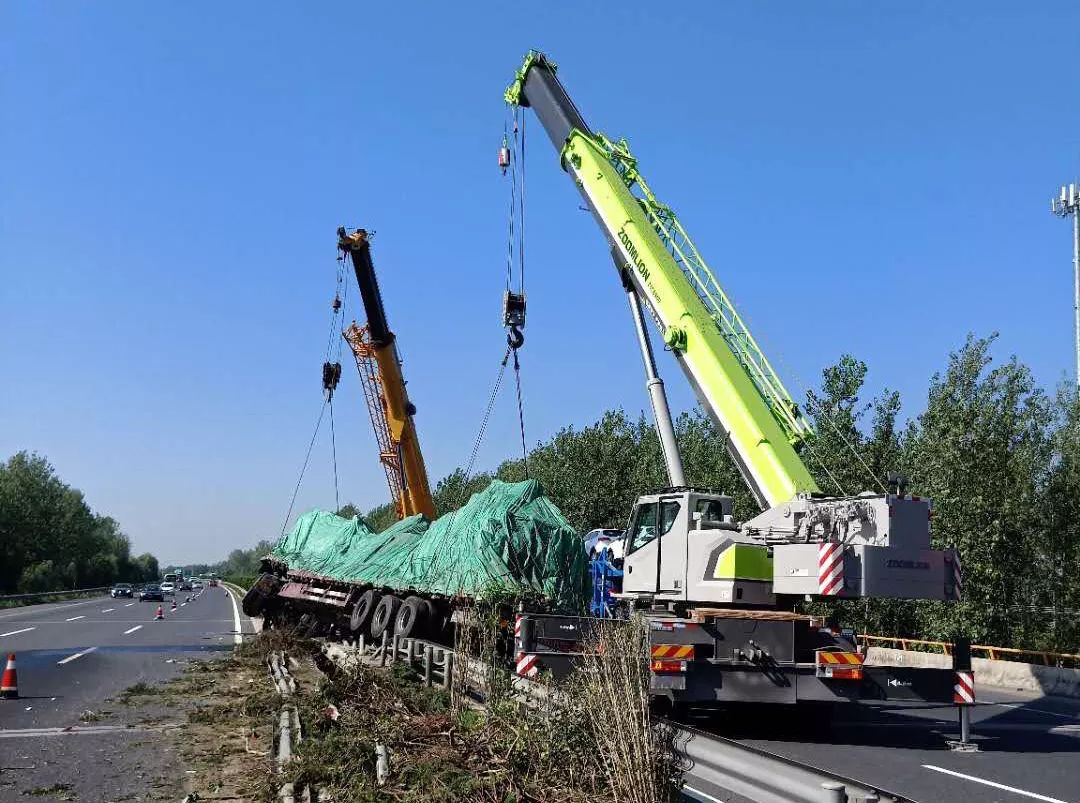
x=72 y=656
x=1029 y=746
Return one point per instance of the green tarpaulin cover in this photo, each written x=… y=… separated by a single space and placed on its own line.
x=508 y=538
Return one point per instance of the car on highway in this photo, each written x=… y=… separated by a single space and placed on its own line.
x=213 y=582
x=185 y=584
x=121 y=590
x=196 y=584
x=151 y=592
x=168 y=587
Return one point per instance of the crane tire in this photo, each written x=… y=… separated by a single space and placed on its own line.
x=385 y=614
x=412 y=618
x=363 y=610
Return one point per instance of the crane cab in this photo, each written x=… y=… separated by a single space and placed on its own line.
x=683 y=545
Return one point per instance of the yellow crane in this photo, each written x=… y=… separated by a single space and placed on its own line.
x=374 y=347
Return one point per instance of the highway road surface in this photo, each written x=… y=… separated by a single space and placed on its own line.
x=1029 y=747
x=72 y=657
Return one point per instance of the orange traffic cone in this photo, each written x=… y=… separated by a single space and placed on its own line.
x=160 y=613
x=173 y=605
x=9 y=685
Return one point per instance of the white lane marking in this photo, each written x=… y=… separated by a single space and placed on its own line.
x=128 y=632
x=73 y=618
x=129 y=604
x=107 y=610
x=76 y=655
x=48 y=607
x=1036 y=710
x=17 y=632
x=701 y=795
x=80 y=729
x=237 y=638
x=996 y=785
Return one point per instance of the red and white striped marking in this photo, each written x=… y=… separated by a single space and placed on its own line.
x=517 y=625
x=526 y=665
x=830 y=568
x=958 y=575
x=964 y=689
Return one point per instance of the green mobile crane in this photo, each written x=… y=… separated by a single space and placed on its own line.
x=720 y=594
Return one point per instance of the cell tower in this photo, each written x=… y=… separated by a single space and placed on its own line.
x=1065 y=205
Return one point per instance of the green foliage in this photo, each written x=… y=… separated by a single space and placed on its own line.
x=51 y=540
x=1001 y=462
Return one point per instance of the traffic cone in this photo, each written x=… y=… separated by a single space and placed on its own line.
x=160 y=613
x=9 y=685
x=173 y=605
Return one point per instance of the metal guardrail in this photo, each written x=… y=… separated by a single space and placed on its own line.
x=765 y=777
x=993 y=653
x=64 y=593
x=712 y=761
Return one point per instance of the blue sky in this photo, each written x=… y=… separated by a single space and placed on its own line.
x=864 y=178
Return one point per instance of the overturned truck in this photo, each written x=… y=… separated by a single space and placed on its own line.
x=335 y=576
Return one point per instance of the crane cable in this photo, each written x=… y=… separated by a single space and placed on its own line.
x=331 y=376
x=516 y=224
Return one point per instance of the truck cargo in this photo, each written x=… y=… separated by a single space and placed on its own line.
x=508 y=541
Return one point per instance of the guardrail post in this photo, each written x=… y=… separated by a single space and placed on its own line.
x=448 y=668
x=360 y=644
x=427 y=664
x=394 y=650
x=833 y=792
x=382 y=650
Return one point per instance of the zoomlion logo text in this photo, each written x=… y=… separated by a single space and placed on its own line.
x=631 y=249
x=906 y=564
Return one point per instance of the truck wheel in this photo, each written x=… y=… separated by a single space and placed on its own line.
x=385 y=614
x=259 y=594
x=411 y=618
x=363 y=610
x=434 y=619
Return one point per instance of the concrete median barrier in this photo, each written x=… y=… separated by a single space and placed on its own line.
x=1012 y=675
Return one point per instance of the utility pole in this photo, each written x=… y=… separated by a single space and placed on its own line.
x=1068 y=203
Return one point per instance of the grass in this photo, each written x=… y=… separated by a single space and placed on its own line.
x=443 y=748
x=45 y=791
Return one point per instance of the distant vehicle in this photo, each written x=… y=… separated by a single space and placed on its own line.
x=167 y=587
x=172 y=577
x=596 y=540
x=151 y=592
x=185 y=584
x=121 y=590
x=213 y=582
x=196 y=584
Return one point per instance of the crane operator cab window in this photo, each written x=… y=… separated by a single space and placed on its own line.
x=644 y=530
x=711 y=513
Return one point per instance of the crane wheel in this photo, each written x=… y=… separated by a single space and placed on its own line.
x=364 y=610
x=411 y=618
x=385 y=615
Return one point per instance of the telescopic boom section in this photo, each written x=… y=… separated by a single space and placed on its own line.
x=388 y=400
x=731 y=376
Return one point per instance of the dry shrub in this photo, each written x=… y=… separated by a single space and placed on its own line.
x=612 y=681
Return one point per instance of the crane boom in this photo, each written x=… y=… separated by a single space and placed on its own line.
x=730 y=374
x=375 y=349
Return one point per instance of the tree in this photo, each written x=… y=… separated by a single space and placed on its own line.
x=43 y=519
x=981 y=451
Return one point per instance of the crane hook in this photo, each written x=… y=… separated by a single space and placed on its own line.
x=514 y=338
